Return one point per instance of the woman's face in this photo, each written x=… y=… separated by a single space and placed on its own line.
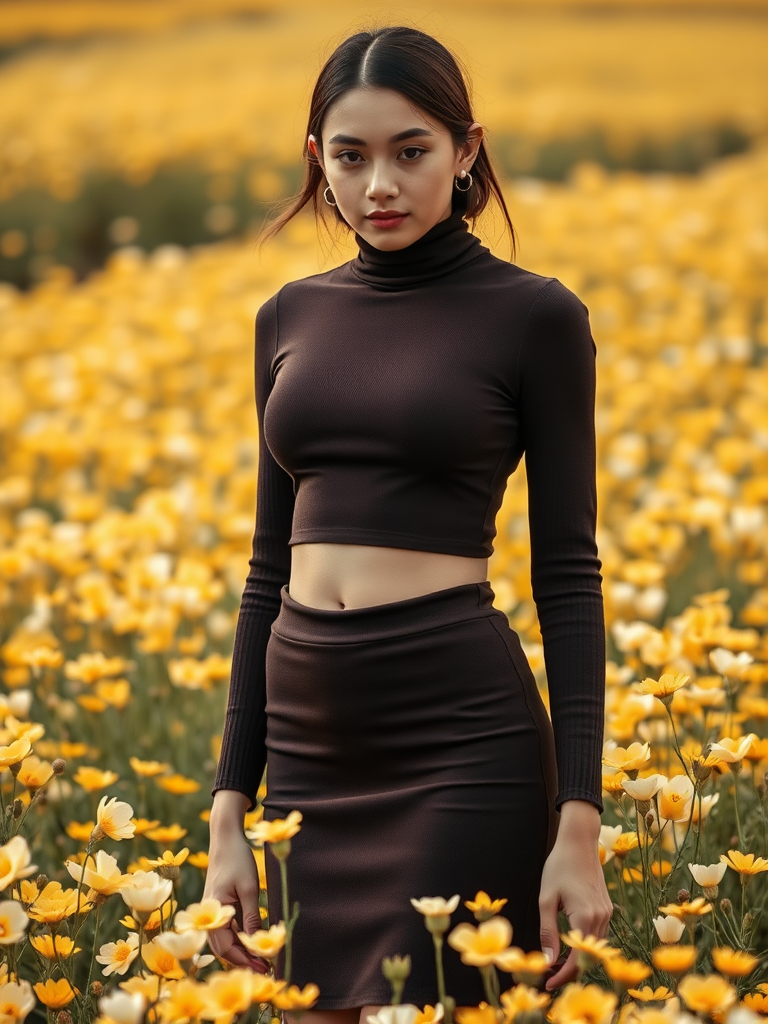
x=381 y=154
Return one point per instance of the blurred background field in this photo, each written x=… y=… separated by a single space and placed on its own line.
x=141 y=148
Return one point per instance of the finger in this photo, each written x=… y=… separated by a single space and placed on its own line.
x=549 y=933
x=567 y=972
x=249 y=901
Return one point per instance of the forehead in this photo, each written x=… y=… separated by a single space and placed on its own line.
x=374 y=114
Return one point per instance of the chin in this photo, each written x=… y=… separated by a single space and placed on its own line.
x=397 y=238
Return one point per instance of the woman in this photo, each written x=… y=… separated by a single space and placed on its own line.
x=391 y=702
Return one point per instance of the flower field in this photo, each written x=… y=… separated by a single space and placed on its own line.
x=127 y=487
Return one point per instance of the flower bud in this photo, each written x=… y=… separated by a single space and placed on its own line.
x=41 y=881
x=63 y=1017
x=18 y=808
x=749 y=919
x=97 y=988
x=59 y=766
x=726 y=906
x=683 y=896
x=396 y=968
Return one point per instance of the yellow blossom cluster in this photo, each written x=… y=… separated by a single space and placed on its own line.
x=129 y=105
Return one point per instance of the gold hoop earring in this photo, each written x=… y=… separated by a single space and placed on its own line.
x=464 y=174
x=325 y=196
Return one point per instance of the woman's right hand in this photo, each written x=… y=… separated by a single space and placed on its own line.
x=233 y=879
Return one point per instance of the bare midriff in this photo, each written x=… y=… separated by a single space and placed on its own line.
x=343 y=576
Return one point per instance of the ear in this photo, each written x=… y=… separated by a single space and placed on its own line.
x=315 y=151
x=468 y=151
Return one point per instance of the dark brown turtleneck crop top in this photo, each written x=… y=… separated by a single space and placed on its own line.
x=395 y=395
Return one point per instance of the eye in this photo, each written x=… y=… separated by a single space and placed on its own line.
x=350 y=152
x=417 y=150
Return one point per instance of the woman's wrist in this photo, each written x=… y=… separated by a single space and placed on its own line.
x=228 y=810
x=579 y=819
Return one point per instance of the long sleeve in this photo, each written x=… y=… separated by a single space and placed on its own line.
x=557 y=383
x=243 y=750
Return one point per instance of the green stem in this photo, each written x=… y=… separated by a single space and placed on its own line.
x=490 y=994
x=438 y=943
x=736 y=809
x=286 y=919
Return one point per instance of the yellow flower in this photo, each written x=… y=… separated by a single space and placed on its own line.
x=158 y=917
x=149 y=985
x=147 y=769
x=264 y=988
x=646 y=994
x=14 y=861
x=294 y=998
x=53 y=903
x=665 y=686
x=689 y=911
x=51 y=946
x=731 y=751
x=80 y=831
x=90 y=667
x=430 y=1014
x=626 y=972
x=735 y=963
x=675 y=798
x=628 y=759
x=436 y=906
x=229 y=992
x=161 y=961
x=706 y=993
x=166 y=834
x=92 y=779
x=55 y=994
x=184 y=1001
x=266 y=942
x=277 y=830
x=13 y=922
x=178 y=784
x=34 y=773
x=523 y=999
x=209 y=914
x=113 y=818
x=101 y=873
x=481 y=946
x=674 y=959
x=15 y=752
x=744 y=863
x=598 y=949
x=481 y=1014
x=757 y=1002
x=524 y=967
x=16 y=1000
x=43 y=656
x=118 y=956
x=483 y=906
x=583 y=1004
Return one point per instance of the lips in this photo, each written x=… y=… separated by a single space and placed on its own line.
x=386 y=215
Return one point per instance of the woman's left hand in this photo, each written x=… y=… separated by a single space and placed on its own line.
x=573 y=880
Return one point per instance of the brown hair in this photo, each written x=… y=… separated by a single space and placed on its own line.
x=419 y=67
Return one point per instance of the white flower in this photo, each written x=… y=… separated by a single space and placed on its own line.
x=729 y=664
x=14 y=861
x=708 y=874
x=184 y=945
x=669 y=929
x=436 y=906
x=123 y=1007
x=13 y=922
x=607 y=839
x=403 y=1013
x=644 y=789
x=145 y=891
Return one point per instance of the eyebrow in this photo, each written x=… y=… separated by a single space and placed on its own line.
x=409 y=133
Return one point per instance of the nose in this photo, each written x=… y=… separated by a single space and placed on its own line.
x=382 y=183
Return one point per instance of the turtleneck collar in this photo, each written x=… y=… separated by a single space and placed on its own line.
x=447 y=245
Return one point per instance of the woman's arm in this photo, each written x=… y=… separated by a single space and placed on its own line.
x=243 y=751
x=557 y=383
x=556 y=386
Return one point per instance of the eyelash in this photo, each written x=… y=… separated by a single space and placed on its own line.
x=407 y=149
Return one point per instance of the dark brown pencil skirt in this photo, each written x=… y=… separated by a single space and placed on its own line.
x=413 y=739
